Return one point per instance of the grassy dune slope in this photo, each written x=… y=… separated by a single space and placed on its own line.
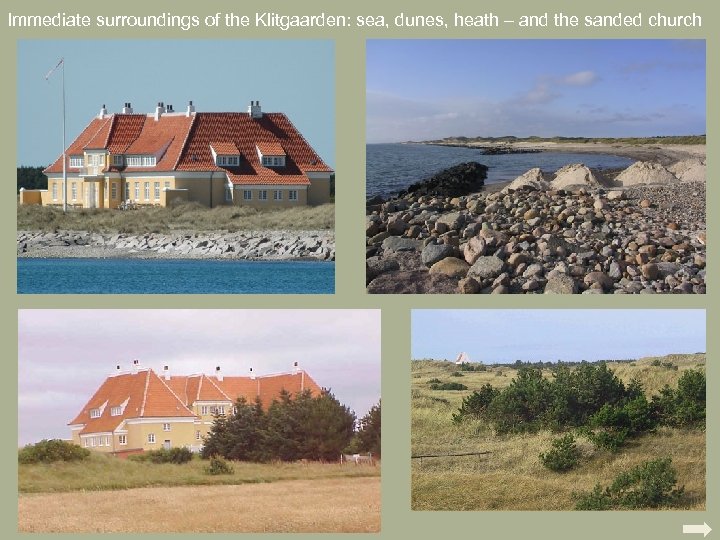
x=512 y=477
x=184 y=217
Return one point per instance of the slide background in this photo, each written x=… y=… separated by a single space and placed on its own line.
x=397 y=519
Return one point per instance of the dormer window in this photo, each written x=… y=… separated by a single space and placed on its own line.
x=117 y=160
x=271 y=154
x=116 y=411
x=95 y=413
x=228 y=161
x=76 y=161
x=141 y=161
x=225 y=154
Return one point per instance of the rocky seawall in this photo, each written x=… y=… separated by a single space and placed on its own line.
x=262 y=245
x=565 y=236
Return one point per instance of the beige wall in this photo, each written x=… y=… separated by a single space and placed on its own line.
x=199 y=189
x=319 y=191
x=270 y=202
x=180 y=434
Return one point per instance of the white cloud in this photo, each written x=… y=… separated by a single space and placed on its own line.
x=581 y=78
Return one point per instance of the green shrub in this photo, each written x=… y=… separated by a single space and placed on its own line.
x=448 y=386
x=456 y=374
x=610 y=440
x=49 y=451
x=649 y=485
x=476 y=403
x=685 y=406
x=656 y=363
x=219 y=466
x=563 y=456
x=163 y=455
x=434 y=381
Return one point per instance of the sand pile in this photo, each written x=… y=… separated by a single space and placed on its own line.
x=532 y=178
x=575 y=174
x=689 y=170
x=645 y=172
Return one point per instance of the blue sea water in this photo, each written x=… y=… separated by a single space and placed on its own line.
x=173 y=276
x=393 y=167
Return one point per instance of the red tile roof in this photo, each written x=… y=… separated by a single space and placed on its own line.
x=270 y=148
x=182 y=143
x=225 y=148
x=146 y=395
x=151 y=396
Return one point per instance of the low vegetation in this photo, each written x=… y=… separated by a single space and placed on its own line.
x=50 y=451
x=591 y=423
x=182 y=217
x=165 y=455
x=102 y=472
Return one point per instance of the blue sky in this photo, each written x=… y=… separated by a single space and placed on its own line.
x=294 y=77
x=61 y=363
x=506 y=335
x=422 y=89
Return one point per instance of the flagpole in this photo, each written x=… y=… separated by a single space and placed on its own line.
x=63 y=139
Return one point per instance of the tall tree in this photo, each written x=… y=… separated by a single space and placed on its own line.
x=369 y=433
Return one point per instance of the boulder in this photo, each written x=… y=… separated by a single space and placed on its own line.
x=456 y=181
x=486 y=267
x=436 y=252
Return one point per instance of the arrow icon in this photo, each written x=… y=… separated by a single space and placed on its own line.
x=703 y=529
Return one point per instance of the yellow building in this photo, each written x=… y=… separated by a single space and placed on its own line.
x=128 y=160
x=141 y=410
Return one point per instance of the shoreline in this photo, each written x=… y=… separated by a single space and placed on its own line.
x=663 y=154
x=255 y=246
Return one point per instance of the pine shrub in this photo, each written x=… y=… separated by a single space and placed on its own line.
x=219 y=466
x=563 y=456
x=50 y=451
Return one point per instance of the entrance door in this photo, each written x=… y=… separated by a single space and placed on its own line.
x=166 y=444
x=91 y=195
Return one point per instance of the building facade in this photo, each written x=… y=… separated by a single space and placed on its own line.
x=139 y=410
x=125 y=159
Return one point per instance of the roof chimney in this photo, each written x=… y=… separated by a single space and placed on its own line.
x=254 y=110
x=218 y=374
x=136 y=365
x=127 y=108
x=296 y=367
x=169 y=108
x=166 y=373
x=159 y=110
x=103 y=112
x=252 y=374
x=190 y=108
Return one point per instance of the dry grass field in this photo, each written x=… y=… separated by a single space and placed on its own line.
x=511 y=477
x=189 y=216
x=326 y=505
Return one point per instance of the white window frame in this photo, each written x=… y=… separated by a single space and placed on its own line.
x=127 y=190
x=137 y=191
x=118 y=160
x=122 y=439
x=76 y=162
x=247 y=195
x=151 y=438
x=277 y=195
x=73 y=191
x=113 y=190
x=167 y=184
x=95 y=413
x=228 y=194
x=149 y=161
x=54 y=191
x=293 y=195
x=156 y=190
x=147 y=191
x=166 y=426
x=198 y=436
x=116 y=411
x=204 y=409
x=86 y=442
x=134 y=161
x=262 y=195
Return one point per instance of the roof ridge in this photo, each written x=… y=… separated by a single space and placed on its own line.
x=145 y=391
x=181 y=153
x=218 y=388
x=297 y=131
x=113 y=124
x=173 y=393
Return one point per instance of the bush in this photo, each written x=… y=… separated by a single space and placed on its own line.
x=475 y=405
x=563 y=456
x=50 y=451
x=610 y=440
x=434 y=381
x=456 y=374
x=219 y=466
x=649 y=485
x=656 y=363
x=163 y=455
x=448 y=386
x=685 y=406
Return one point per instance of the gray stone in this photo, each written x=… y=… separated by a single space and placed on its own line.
x=560 y=284
x=486 y=267
x=436 y=252
x=396 y=243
